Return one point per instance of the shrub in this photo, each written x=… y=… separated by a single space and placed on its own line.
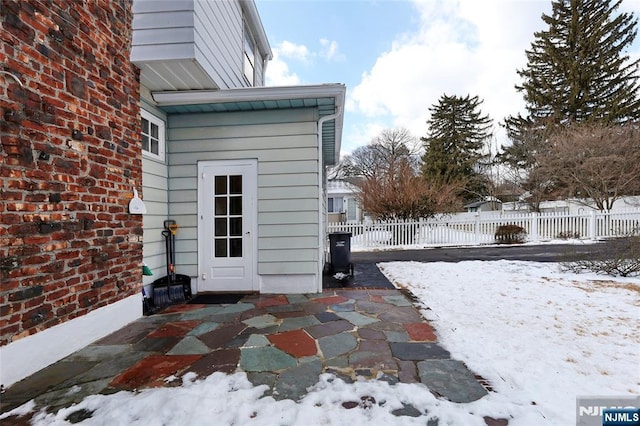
x=617 y=257
x=568 y=235
x=510 y=234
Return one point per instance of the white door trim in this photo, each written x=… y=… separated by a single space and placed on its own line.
x=203 y=281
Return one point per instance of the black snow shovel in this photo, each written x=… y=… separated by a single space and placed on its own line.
x=168 y=290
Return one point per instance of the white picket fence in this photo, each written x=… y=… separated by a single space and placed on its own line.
x=476 y=229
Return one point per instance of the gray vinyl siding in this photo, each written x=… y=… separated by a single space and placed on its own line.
x=163 y=30
x=285 y=144
x=219 y=42
x=156 y=199
x=209 y=33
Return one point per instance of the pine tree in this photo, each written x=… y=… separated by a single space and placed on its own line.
x=577 y=72
x=577 y=69
x=457 y=134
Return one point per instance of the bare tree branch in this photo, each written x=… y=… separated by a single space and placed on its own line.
x=597 y=163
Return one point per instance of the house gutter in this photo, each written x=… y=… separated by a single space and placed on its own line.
x=248 y=94
x=321 y=229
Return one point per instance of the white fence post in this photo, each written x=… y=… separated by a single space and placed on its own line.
x=533 y=227
x=476 y=228
x=592 y=225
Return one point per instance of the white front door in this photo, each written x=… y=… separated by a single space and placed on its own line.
x=227 y=225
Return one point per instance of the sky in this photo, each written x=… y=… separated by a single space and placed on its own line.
x=397 y=58
x=540 y=336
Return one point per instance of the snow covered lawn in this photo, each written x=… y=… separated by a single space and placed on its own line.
x=540 y=336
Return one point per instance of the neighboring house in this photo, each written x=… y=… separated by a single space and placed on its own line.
x=572 y=206
x=183 y=118
x=342 y=204
x=488 y=204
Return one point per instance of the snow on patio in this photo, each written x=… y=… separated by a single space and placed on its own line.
x=540 y=336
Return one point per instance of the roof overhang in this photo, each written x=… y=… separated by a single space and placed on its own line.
x=327 y=98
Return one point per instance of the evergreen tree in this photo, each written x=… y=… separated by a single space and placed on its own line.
x=577 y=69
x=456 y=136
x=577 y=72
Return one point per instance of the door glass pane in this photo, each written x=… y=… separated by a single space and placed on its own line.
x=235 y=225
x=235 y=247
x=228 y=219
x=221 y=227
x=235 y=184
x=220 y=247
x=235 y=205
x=221 y=206
x=220 y=185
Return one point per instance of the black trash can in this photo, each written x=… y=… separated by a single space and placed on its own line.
x=340 y=253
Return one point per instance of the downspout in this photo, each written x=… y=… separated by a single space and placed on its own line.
x=321 y=195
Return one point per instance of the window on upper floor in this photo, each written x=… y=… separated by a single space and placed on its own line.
x=152 y=136
x=249 y=57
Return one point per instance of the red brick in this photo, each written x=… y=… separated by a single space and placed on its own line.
x=36 y=260
x=81 y=80
x=57 y=294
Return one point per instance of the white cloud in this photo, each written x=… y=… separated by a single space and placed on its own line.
x=290 y=50
x=359 y=134
x=278 y=73
x=329 y=50
x=285 y=53
x=463 y=47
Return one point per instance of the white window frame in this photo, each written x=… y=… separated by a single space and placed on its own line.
x=154 y=120
x=249 y=58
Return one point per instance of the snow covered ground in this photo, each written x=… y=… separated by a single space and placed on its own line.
x=540 y=336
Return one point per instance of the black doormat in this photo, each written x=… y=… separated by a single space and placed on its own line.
x=216 y=299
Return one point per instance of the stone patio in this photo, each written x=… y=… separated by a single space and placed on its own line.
x=283 y=341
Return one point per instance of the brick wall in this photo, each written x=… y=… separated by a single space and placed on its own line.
x=70 y=156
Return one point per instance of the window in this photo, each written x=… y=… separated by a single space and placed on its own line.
x=152 y=136
x=334 y=205
x=249 y=57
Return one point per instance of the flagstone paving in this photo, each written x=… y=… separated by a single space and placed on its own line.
x=283 y=341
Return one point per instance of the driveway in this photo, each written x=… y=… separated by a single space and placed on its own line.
x=537 y=253
x=367 y=275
